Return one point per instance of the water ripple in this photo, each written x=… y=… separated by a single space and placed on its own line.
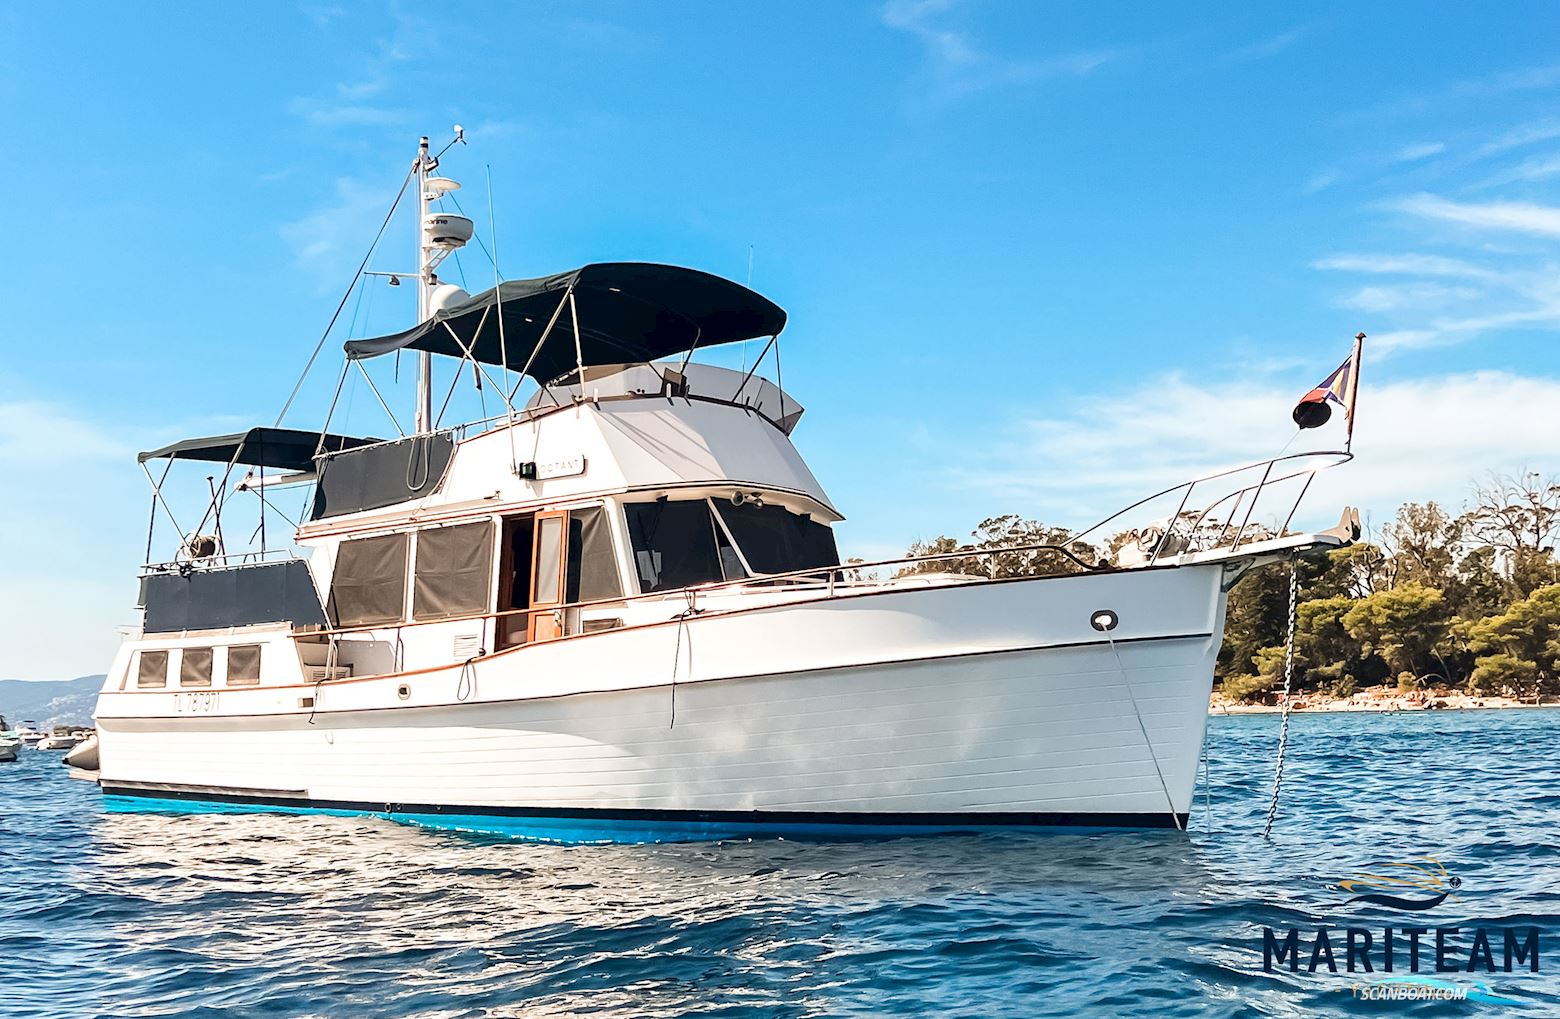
x=196 y=915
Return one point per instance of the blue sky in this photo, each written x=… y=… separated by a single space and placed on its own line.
x=1038 y=258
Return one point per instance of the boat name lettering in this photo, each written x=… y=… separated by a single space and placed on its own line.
x=563 y=467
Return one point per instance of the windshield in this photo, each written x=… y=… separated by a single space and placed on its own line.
x=683 y=544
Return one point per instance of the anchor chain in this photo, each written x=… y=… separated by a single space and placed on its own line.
x=1289 y=675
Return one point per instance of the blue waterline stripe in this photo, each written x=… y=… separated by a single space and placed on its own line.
x=569 y=825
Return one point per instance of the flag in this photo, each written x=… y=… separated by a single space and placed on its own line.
x=1313 y=410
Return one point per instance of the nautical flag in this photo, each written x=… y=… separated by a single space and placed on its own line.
x=1340 y=387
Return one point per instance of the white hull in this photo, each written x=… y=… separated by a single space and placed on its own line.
x=956 y=706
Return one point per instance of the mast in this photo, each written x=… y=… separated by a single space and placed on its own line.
x=425 y=284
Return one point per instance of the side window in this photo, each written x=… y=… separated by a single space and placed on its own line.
x=454 y=575
x=677 y=545
x=152 y=669
x=243 y=665
x=368 y=585
x=195 y=666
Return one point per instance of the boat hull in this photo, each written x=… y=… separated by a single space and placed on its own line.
x=1007 y=711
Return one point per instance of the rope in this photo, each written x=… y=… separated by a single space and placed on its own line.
x=682 y=623
x=1169 y=802
x=357 y=278
x=1289 y=675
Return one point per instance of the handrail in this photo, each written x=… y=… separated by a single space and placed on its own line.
x=1267 y=481
x=224 y=561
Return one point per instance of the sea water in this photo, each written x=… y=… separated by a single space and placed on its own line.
x=288 y=915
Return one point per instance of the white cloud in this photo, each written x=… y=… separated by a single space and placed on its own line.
x=1267 y=47
x=956 y=66
x=1519 y=137
x=1413 y=153
x=1322 y=181
x=324 y=240
x=1405 y=264
x=1415 y=440
x=1522 y=217
x=1533 y=168
x=1397 y=297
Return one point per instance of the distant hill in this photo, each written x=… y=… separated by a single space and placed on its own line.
x=53 y=702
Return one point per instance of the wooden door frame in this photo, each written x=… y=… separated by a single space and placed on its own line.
x=562 y=566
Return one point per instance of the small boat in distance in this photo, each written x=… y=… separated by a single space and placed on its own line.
x=9 y=743
x=616 y=610
x=63 y=737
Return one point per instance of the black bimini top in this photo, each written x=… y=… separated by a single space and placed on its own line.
x=288 y=449
x=628 y=312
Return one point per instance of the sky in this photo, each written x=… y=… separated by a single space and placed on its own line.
x=1038 y=258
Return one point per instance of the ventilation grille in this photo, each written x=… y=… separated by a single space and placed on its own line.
x=322 y=673
x=468 y=646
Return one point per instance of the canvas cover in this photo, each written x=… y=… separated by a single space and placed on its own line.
x=593 y=568
x=368 y=585
x=381 y=475
x=288 y=449
x=454 y=571
x=628 y=312
x=237 y=596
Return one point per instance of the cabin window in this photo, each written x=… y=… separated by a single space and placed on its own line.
x=592 y=571
x=195 y=666
x=775 y=540
x=454 y=575
x=243 y=665
x=152 y=669
x=549 y=546
x=677 y=545
x=368 y=585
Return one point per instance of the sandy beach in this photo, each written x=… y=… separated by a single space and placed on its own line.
x=1379 y=699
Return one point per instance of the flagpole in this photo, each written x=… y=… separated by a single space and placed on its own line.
x=1354 y=388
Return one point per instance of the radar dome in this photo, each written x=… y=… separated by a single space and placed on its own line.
x=448 y=231
x=446 y=295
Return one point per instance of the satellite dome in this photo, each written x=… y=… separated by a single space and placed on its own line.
x=446 y=295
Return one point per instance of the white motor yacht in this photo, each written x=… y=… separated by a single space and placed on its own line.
x=618 y=610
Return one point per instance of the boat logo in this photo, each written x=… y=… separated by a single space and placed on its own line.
x=1419 y=884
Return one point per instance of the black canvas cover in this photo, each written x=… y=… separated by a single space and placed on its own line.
x=236 y=596
x=775 y=540
x=592 y=572
x=454 y=575
x=288 y=449
x=368 y=584
x=381 y=475
x=628 y=312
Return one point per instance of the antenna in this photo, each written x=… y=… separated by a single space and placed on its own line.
x=424 y=413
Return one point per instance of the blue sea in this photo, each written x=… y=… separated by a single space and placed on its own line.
x=136 y=914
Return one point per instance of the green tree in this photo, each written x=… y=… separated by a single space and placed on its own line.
x=1402 y=625
x=1003 y=541
x=1520 y=647
x=1422 y=544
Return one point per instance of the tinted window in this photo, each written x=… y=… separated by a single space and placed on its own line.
x=195 y=666
x=152 y=669
x=677 y=545
x=243 y=665
x=775 y=540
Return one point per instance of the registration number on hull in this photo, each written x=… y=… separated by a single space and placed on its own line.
x=195 y=702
